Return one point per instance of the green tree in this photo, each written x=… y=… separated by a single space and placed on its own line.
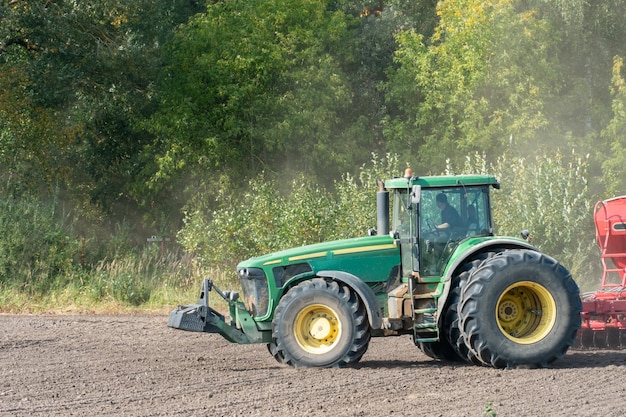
x=480 y=80
x=613 y=167
x=367 y=56
x=253 y=85
x=586 y=36
x=33 y=144
x=83 y=76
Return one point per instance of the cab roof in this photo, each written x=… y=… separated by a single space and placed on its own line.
x=442 y=181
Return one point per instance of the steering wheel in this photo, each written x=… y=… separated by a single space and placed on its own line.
x=432 y=228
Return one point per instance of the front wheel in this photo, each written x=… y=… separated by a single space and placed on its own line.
x=320 y=323
x=520 y=307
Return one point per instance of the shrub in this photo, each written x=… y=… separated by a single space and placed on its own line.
x=36 y=247
x=263 y=220
x=550 y=197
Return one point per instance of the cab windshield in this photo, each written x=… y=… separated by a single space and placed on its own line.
x=446 y=216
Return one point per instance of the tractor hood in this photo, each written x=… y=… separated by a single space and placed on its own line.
x=365 y=257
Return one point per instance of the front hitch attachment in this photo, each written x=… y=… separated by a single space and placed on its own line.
x=202 y=318
x=194 y=317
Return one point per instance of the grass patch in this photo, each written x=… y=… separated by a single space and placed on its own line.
x=148 y=282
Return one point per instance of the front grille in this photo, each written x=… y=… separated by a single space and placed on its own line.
x=255 y=290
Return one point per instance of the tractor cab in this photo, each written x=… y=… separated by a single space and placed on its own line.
x=432 y=217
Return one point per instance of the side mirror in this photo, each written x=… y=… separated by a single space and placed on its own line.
x=416 y=192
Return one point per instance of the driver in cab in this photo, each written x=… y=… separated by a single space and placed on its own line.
x=450 y=218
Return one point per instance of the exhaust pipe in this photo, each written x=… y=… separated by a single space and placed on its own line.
x=382 y=209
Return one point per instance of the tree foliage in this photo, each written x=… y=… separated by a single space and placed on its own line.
x=481 y=79
x=140 y=114
x=249 y=83
x=81 y=73
x=613 y=166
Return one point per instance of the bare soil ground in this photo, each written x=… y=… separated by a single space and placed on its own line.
x=136 y=366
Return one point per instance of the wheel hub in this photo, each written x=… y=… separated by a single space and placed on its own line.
x=320 y=327
x=526 y=312
x=317 y=328
x=508 y=311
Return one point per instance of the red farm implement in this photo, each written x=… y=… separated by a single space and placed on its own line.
x=604 y=311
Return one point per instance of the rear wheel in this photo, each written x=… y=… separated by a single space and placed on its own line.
x=320 y=323
x=520 y=307
x=451 y=316
x=441 y=350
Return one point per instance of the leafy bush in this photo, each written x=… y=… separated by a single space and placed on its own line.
x=355 y=198
x=263 y=220
x=135 y=279
x=42 y=265
x=550 y=197
x=40 y=260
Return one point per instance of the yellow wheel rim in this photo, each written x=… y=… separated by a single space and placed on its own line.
x=526 y=312
x=317 y=328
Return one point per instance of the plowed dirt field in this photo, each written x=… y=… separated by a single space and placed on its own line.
x=93 y=365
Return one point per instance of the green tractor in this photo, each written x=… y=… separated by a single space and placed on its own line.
x=440 y=275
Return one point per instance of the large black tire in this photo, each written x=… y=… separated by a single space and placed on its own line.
x=519 y=308
x=320 y=323
x=450 y=328
x=441 y=350
x=452 y=346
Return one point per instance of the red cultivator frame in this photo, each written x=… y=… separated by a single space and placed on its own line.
x=604 y=311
